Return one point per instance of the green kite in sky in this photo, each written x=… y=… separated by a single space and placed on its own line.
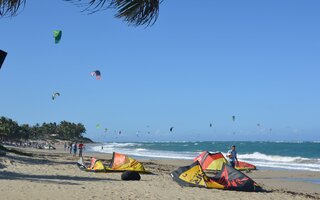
x=57 y=34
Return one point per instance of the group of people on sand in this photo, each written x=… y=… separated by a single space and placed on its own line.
x=73 y=147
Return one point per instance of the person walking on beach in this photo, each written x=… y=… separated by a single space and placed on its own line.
x=65 y=146
x=232 y=156
x=75 y=148
x=81 y=147
x=70 y=147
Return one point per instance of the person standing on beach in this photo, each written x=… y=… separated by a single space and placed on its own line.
x=232 y=156
x=65 y=146
x=80 y=146
x=70 y=147
x=75 y=148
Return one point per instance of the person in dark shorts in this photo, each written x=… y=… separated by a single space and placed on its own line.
x=80 y=147
x=75 y=148
x=232 y=156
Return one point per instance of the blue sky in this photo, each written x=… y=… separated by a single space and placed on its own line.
x=199 y=64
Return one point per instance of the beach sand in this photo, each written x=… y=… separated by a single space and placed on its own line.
x=54 y=175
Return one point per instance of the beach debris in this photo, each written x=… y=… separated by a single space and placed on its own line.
x=130 y=176
x=233 y=118
x=57 y=34
x=97 y=74
x=171 y=129
x=55 y=95
x=3 y=55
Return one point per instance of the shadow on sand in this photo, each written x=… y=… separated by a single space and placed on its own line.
x=57 y=179
x=41 y=160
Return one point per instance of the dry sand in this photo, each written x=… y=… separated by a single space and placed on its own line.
x=54 y=175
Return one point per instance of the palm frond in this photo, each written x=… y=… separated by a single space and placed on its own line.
x=10 y=7
x=135 y=12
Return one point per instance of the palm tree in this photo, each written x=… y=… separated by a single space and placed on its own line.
x=134 y=12
x=9 y=129
x=25 y=131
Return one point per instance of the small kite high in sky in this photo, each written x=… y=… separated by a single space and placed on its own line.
x=55 y=95
x=171 y=129
x=57 y=34
x=97 y=74
x=3 y=55
x=97 y=126
x=233 y=118
x=210 y=125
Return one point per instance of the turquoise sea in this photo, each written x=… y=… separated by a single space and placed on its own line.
x=279 y=155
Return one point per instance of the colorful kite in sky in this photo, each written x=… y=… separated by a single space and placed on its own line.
x=57 y=34
x=97 y=74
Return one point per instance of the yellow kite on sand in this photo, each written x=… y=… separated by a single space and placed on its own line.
x=119 y=163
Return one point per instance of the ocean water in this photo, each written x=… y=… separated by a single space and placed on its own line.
x=276 y=155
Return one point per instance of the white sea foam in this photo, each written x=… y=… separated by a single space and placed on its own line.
x=261 y=156
x=144 y=152
x=281 y=162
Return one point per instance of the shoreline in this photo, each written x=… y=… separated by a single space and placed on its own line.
x=52 y=174
x=262 y=160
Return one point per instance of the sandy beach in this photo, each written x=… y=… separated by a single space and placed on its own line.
x=54 y=175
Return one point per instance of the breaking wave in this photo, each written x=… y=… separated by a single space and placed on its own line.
x=281 y=162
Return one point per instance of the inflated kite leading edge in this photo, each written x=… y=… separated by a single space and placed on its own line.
x=3 y=55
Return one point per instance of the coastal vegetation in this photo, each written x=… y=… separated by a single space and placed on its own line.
x=11 y=130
